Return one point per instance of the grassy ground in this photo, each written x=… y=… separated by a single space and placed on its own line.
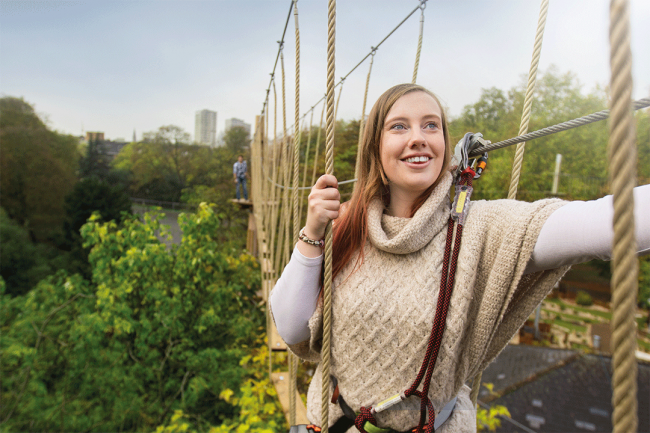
x=572 y=318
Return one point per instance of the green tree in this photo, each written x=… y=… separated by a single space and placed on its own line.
x=24 y=263
x=109 y=200
x=157 y=330
x=237 y=140
x=37 y=169
x=164 y=164
x=558 y=98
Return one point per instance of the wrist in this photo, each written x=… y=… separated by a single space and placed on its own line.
x=313 y=234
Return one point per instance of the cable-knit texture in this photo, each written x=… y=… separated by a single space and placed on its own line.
x=383 y=312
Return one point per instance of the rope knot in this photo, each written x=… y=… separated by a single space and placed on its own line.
x=365 y=415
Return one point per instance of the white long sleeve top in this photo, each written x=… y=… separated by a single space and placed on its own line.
x=577 y=232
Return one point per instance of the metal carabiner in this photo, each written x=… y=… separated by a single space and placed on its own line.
x=461 y=154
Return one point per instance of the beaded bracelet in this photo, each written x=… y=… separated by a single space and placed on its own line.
x=304 y=238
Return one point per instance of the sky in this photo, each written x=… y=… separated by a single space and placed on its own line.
x=122 y=65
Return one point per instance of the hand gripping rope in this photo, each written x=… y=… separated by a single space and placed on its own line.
x=458 y=213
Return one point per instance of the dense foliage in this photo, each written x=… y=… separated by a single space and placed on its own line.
x=165 y=166
x=24 y=263
x=37 y=170
x=155 y=331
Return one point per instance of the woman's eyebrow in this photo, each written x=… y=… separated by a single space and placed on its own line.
x=404 y=118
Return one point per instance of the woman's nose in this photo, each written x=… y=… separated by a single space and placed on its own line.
x=416 y=138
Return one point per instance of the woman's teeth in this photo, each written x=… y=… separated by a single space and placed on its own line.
x=417 y=159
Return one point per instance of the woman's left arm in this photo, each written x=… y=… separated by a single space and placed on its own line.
x=582 y=230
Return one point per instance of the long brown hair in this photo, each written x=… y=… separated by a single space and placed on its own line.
x=351 y=229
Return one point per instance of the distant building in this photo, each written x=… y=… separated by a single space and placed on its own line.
x=205 y=127
x=94 y=136
x=231 y=123
x=109 y=148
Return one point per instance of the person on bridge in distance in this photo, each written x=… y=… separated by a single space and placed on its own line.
x=239 y=173
x=388 y=262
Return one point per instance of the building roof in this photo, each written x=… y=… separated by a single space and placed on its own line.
x=574 y=395
x=518 y=364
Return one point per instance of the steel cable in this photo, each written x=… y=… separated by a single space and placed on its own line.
x=585 y=120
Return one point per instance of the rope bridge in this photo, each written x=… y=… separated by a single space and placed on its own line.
x=274 y=159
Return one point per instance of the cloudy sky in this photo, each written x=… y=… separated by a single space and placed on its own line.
x=119 y=65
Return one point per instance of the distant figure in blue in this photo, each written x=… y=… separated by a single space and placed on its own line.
x=239 y=173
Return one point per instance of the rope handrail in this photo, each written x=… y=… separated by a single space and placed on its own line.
x=564 y=126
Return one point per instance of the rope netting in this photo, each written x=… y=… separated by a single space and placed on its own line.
x=278 y=159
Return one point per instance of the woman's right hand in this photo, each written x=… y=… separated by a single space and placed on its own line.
x=324 y=203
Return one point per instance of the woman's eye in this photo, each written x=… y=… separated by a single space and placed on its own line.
x=432 y=125
x=397 y=126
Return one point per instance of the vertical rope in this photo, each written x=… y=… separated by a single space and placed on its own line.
x=274 y=207
x=304 y=172
x=622 y=170
x=296 y=216
x=297 y=132
x=336 y=111
x=286 y=204
x=329 y=169
x=274 y=190
x=362 y=123
x=417 y=54
x=288 y=238
x=523 y=128
x=528 y=100
x=320 y=129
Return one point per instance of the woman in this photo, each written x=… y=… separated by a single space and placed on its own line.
x=387 y=265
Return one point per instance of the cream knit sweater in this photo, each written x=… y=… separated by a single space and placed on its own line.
x=383 y=312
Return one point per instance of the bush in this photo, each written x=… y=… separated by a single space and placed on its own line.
x=156 y=331
x=584 y=299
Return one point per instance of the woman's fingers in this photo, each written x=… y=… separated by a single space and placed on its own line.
x=326 y=181
x=324 y=203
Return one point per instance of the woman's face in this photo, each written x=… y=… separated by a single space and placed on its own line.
x=412 y=144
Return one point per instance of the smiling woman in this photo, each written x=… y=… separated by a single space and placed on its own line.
x=391 y=249
x=412 y=149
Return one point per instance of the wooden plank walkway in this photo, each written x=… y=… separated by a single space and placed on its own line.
x=277 y=343
x=281 y=383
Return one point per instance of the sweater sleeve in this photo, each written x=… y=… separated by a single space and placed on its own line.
x=295 y=296
x=582 y=231
x=498 y=241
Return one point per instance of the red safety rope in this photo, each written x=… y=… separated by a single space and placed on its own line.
x=449 y=264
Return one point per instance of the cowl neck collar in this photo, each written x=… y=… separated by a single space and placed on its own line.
x=406 y=235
